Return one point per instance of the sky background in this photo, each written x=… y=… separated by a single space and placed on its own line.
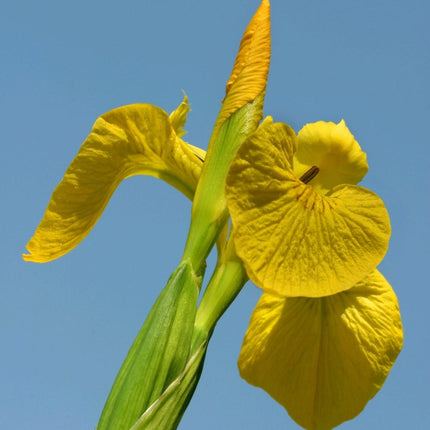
x=66 y=326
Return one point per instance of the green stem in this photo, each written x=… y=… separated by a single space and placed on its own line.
x=201 y=239
x=209 y=212
x=225 y=284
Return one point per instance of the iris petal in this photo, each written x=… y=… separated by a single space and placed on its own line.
x=334 y=150
x=293 y=240
x=130 y=140
x=324 y=359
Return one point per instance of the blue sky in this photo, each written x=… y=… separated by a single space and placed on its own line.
x=66 y=326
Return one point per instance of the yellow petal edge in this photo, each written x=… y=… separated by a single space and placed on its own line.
x=324 y=359
x=178 y=117
x=294 y=241
x=130 y=140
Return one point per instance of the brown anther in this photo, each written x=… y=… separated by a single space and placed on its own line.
x=310 y=174
x=200 y=158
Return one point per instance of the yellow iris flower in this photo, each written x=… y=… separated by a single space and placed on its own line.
x=307 y=237
x=327 y=328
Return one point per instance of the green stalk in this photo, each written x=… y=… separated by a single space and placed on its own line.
x=209 y=212
x=225 y=284
x=158 y=355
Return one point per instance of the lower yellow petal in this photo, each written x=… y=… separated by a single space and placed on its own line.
x=324 y=359
x=130 y=140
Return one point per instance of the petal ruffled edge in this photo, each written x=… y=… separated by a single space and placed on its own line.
x=178 y=117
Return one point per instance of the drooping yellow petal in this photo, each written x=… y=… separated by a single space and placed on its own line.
x=333 y=149
x=324 y=359
x=130 y=140
x=293 y=240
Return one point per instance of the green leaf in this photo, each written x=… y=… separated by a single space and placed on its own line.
x=209 y=212
x=158 y=355
x=167 y=411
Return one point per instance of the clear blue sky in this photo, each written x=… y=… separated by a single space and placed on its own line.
x=66 y=326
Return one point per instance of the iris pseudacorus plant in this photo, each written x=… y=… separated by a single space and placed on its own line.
x=326 y=330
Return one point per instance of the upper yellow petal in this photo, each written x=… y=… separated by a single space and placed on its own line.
x=130 y=140
x=324 y=359
x=333 y=149
x=293 y=240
